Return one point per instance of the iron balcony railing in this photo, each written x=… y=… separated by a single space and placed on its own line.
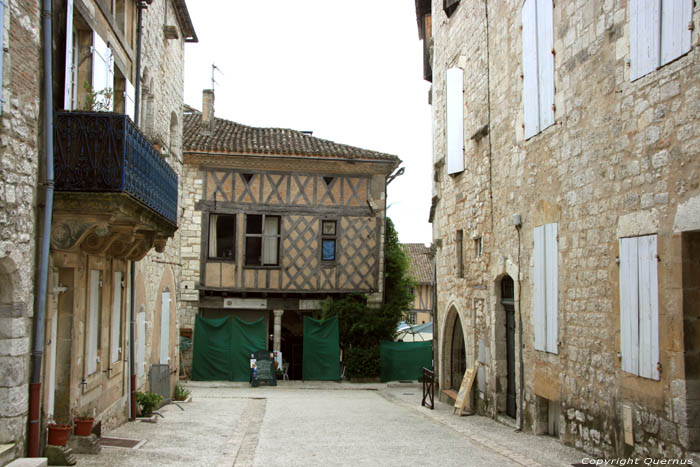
x=106 y=152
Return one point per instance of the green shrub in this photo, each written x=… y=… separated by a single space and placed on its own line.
x=362 y=362
x=148 y=401
x=181 y=392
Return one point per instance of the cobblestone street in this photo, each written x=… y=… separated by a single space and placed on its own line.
x=229 y=424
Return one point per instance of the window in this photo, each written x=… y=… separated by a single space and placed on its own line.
x=546 y=287
x=262 y=239
x=328 y=237
x=93 y=325
x=117 y=317
x=222 y=236
x=459 y=246
x=102 y=73
x=538 y=65
x=478 y=247
x=658 y=33
x=454 y=116
x=639 y=306
x=449 y=6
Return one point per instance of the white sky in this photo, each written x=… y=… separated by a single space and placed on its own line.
x=349 y=71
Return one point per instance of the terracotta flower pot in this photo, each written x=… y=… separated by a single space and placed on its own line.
x=83 y=426
x=58 y=434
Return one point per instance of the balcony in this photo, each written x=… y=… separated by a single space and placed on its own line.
x=114 y=192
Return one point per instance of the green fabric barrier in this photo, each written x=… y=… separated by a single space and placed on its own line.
x=404 y=360
x=211 y=357
x=246 y=338
x=321 y=360
x=222 y=348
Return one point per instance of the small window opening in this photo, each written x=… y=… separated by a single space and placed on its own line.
x=328 y=240
x=247 y=177
x=222 y=236
x=328 y=180
x=478 y=247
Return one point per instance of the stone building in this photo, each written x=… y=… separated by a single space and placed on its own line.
x=20 y=71
x=420 y=263
x=116 y=198
x=566 y=211
x=277 y=220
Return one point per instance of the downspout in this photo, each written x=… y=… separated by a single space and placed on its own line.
x=132 y=265
x=35 y=381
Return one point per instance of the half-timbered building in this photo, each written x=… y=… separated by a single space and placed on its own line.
x=420 y=264
x=277 y=221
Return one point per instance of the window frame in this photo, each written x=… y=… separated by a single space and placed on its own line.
x=459 y=250
x=262 y=237
x=213 y=229
x=329 y=237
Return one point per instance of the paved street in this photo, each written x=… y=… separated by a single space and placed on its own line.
x=323 y=424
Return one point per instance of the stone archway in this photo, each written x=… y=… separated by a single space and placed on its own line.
x=454 y=353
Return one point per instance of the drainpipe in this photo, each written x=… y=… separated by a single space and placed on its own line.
x=35 y=381
x=132 y=265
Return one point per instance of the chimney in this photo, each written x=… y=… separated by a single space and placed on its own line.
x=207 y=110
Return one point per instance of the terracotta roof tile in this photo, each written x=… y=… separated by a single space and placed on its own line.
x=232 y=137
x=420 y=262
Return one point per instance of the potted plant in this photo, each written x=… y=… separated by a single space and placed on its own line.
x=58 y=434
x=83 y=424
x=181 y=393
x=148 y=401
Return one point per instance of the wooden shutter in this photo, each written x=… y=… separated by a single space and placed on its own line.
x=629 y=305
x=551 y=254
x=93 y=325
x=648 y=307
x=530 y=69
x=545 y=62
x=68 y=85
x=539 y=289
x=141 y=341
x=675 y=35
x=116 y=316
x=454 y=114
x=645 y=36
x=129 y=100
x=165 y=328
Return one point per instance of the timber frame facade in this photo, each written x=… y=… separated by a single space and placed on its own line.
x=278 y=229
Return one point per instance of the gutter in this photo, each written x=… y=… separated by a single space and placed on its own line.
x=35 y=381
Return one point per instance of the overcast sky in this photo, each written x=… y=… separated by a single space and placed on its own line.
x=351 y=72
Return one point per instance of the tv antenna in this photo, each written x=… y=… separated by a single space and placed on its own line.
x=213 y=69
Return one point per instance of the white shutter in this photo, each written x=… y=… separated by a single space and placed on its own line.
x=165 y=328
x=2 y=48
x=102 y=68
x=92 y=326
x=552 y=286
x=629 y=305
x=675 y=35
x=540 y=287
x=648 y=307
x=530 y=69
x=68 y=86
x=454 y=114
x=545 y=62
x=130 y=100
x=645 y=36
x=116 y=316
x=141 y=343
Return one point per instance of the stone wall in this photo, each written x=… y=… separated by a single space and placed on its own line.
x=19 y=231
x=619 y=161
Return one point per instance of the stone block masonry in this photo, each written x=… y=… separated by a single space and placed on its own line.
x=618 y=162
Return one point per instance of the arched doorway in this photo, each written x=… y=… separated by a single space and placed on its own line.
x=458 y=360
x=508 y=303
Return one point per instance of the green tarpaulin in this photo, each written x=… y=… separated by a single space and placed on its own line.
x=321 y=361
x=222 y=348
x=404 y=360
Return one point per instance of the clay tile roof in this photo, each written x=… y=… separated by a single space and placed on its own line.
x=232 y=137
x=420 y=262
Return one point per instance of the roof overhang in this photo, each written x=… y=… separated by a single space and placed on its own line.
x=183 y=15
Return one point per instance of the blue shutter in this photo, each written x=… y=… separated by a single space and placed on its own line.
x=629 y=305
x=552 y=286
x=540 y=287
x=675 y=35
x=454 y=116
x=530 y=69
x=545 y=62
x=645 y=36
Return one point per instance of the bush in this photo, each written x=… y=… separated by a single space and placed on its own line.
x=148 y=401
x=181 y=392
x=362 y=362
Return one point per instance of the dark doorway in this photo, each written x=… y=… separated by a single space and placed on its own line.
x=458 y=361
x=292 y=346
x=508 y=302
x=690 y=251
